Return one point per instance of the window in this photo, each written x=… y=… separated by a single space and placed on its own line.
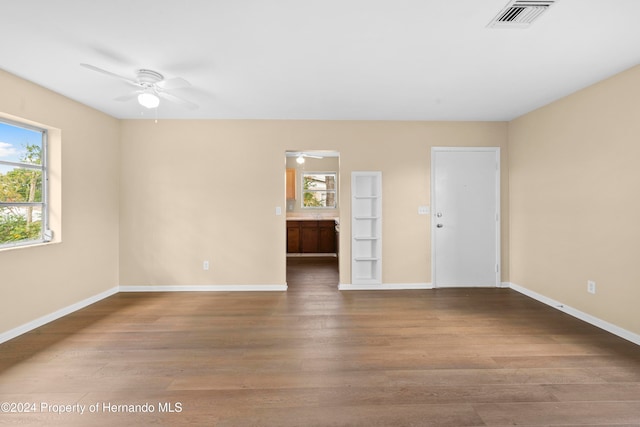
x=23 y=185
x=319 y=190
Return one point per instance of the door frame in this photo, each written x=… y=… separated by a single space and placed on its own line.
x=326 y=153
x=495 y=150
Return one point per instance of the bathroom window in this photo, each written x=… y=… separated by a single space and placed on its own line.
x=319 y=190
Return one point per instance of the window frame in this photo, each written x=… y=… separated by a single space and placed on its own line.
x=303 y=190
x=46 y=234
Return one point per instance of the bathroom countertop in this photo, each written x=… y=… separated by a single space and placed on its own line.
x=312 y=218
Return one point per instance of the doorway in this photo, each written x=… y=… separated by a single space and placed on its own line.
x=312 y=210
x=465 y=225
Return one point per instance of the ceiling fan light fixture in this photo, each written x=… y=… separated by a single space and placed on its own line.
x=148 y=100
x=300 y=159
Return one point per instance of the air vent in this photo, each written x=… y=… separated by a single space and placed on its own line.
x=520 y=13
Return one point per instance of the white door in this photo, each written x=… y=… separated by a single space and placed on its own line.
x=465 y=223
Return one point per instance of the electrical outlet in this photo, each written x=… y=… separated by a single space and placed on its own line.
x=591 y=286
x=205 y=265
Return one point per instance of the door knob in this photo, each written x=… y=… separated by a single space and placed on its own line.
x=439 y=225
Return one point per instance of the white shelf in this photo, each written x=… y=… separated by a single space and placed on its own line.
x=366 y=228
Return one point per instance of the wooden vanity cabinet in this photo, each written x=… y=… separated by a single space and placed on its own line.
x=327 y=237
x=311 y=237
x=293 y=237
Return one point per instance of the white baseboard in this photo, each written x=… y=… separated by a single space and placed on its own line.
x=602 y=324
x=384 y=287
x=12 y=333
x=22 y=329
x=205 y=288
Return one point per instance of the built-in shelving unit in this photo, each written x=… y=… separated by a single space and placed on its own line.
x=366 y=228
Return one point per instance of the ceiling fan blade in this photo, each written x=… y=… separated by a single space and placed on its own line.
x=172 y=98
x=173 y=83
x=311 y=156
x=109 y=73
x=127 y=97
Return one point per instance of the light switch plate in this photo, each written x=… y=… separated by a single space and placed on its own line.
x=423 y=210
x=278 y=210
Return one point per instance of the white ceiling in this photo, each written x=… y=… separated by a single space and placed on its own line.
x=320 y=59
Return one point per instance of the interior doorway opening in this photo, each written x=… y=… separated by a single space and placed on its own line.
x=312 y=194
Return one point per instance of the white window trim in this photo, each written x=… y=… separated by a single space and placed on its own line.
x=47 y=234
x=302 y=190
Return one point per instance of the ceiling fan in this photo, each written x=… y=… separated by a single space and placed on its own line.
x=151 y=86
x=300 y=156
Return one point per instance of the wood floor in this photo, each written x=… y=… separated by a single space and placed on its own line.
x=314 y=356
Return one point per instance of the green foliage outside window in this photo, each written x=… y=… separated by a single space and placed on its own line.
x=20 y=185
x=15 y=228
x=319 y=190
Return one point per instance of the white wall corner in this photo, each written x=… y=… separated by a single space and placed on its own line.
x=29 y=326
x=602 y=324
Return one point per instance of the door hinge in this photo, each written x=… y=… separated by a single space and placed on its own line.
x=497 y=268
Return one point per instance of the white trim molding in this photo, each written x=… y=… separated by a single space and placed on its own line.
x=384 y=286
x=205 y=288
x=602 y=324
x=40 y=321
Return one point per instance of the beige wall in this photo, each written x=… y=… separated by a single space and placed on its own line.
x=37 y=281
x=575 y=206
x=207 y=190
